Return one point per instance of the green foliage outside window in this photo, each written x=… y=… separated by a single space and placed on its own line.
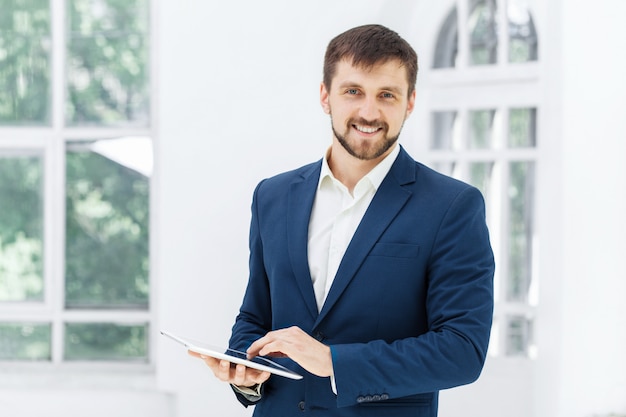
x=25 y=341
x=24 y=62
x=108 y=62
x=103 y=341
x=21 y=229
x=106 y=233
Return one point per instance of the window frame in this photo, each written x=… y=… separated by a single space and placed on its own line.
x=502 y=86
x=51 y=140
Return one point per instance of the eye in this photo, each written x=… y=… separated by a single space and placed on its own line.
x=352 y=91
x=387 y=95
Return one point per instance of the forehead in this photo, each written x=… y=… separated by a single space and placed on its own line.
x=380 y=75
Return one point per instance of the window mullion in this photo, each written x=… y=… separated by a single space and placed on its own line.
x=57 y=242
x=55 y=198
x=503 y=32
x=58 y=62
x=464 y=40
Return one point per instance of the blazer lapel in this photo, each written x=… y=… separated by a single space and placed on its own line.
x=389 y=199
x=300 y=204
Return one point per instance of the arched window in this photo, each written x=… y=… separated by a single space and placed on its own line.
x=481 y=27
x=483 y=101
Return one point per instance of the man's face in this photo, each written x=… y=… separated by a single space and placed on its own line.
x=368 y=107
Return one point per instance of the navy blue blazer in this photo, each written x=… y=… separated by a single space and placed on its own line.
x=410 y=309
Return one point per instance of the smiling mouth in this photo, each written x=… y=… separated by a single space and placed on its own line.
x=366 y=129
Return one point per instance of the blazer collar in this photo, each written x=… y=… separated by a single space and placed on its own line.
x=300 y=204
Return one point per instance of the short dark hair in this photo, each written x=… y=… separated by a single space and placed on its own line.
x=369 y=45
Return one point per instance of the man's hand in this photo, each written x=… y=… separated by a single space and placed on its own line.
x=294 y=343
x=238 y=374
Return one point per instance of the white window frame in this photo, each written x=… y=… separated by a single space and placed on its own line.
x=501 y=87
x=51 y=141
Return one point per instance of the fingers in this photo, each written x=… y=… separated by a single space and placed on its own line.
x=236 y=374
x=278 y=343
x=294 y=343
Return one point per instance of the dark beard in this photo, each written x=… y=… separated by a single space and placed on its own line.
x=387 y=143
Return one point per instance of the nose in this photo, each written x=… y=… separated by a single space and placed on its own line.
x=369 y=109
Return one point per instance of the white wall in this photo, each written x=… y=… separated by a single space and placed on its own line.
x=593 y=355
x=239 y=93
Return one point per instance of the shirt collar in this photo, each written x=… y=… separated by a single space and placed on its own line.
x=375 y=176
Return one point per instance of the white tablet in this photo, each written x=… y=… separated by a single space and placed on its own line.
x=234 y=356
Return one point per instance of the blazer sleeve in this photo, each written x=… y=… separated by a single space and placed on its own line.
x=459 y=309
x=254 y=318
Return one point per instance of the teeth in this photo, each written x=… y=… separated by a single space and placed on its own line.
x=366 y=129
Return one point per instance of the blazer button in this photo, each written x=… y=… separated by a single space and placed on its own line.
x=319 y=336
x=301 y=405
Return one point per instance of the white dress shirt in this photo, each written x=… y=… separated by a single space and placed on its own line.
x=335 y=217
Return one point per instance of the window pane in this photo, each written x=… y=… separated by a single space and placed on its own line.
x=480 y=177
x=447 y=48
x=522 y=34
x=444 y=133
x=24 y=62
x=449 y=168
x=481 y=129
x=522 y=128
x=521 y=195
x=21 y=230
x=106 y=341
x=107 y=224
x=108 y=62
x=25 y=342
x=483 y=32
x=518 y=336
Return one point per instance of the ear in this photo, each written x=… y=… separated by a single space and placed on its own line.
x=324 y=98
x=410 y=105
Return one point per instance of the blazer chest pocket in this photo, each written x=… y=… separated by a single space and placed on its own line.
x=395 y=250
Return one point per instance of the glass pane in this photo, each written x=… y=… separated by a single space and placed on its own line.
x=107 y=223
x=518 y=336
x=106 y=341
x=24 y=62
x=447 y=48
x=21 y=228
x=481 y=129
x=107 y=62
x=521 y=196
x=444 y=133
x=20 y=341
x=480 y=177
x=483 y=32
x=445 y=167
x=522 y=128
x=522 y=34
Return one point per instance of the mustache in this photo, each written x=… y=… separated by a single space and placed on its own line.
x=368 y=123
